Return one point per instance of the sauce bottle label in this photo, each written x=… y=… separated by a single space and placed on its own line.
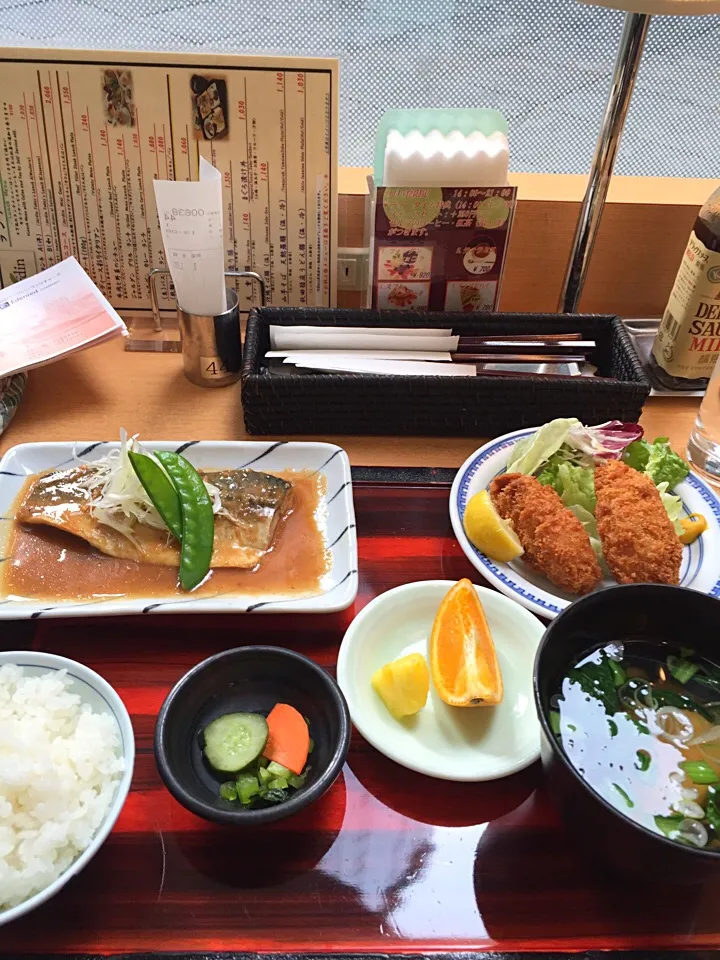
x=688 y=340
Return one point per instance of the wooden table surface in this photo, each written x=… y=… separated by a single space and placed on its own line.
x=91 y=395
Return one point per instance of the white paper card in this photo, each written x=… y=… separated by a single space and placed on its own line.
x=354 y=341
x=402 y=368
x=322 y=338
x=191 y=221
x=52 y=314
x=302 y=356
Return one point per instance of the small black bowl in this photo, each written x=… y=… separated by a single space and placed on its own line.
x=670 y=615
x=253 y=680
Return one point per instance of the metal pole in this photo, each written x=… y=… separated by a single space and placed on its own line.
x=623 y=81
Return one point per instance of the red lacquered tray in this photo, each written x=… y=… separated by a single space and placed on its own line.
x=387 y=861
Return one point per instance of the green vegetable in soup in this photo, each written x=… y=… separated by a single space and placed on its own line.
x=713 y=809
x=668 y=825
x=554 y=721
x=671 y=698
x=700 y=771
x=598 y=680
x=682 y=670
x=619 y=675
x=624 y=795
x=709 y=676
x=632 y=750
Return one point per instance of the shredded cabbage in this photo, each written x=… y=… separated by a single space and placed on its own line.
x=118 y=498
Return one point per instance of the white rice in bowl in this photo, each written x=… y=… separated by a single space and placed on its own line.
x=60 y=764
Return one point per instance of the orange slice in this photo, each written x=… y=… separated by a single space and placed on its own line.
x=463 y=662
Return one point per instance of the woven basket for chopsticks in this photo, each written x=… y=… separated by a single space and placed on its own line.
x=482 y=406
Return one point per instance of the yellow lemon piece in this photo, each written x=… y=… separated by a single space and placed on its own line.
x=487 y=530
x=403 y=685
x=692 y=527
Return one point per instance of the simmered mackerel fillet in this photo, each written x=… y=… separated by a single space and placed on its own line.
x=254 y=501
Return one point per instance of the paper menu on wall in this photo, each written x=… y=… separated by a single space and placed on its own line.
x=52 y=314
x=83 y=135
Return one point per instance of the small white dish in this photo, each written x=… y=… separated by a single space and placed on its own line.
x=338 y=587
x=96 y=691
x=700 y=568
x=450 y=743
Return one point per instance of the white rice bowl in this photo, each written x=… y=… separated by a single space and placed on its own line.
x=65 y=766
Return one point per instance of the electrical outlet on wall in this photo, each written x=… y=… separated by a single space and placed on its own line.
x=352 y=268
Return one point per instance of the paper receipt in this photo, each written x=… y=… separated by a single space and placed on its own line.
x=191 y=222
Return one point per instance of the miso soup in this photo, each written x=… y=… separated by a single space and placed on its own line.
x=640 y=723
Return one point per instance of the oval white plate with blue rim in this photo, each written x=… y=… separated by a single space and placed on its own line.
x=336 y=517
x=700 y=568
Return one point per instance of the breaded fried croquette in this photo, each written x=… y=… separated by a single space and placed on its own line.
x=639 y=540
x=553 y=538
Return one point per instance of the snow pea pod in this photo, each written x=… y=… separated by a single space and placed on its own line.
x=198 y=520
x=160 y=489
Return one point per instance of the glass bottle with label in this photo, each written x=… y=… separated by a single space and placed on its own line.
x=688 y=339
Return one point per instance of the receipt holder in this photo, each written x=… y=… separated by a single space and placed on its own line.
x=211 y=346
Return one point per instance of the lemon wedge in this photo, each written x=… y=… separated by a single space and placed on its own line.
x=487 y=530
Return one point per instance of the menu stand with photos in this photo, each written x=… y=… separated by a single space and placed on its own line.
x=440 y=248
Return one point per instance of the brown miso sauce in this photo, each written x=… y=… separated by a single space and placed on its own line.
x=49 y=564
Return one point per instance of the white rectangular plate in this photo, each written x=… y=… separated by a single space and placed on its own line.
x=338 y=587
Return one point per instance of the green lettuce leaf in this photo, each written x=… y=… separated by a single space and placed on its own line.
x=576 y=486
x=637 y=454
x=673 y=506
x=665 y=466
x=530 y=454
x=658 y=461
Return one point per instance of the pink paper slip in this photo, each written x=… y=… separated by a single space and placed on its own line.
x=51 y=315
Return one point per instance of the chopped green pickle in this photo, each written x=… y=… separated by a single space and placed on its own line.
x=228 y=791
x=233 y=744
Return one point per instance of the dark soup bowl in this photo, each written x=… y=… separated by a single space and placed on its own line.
x=621 y=822
x=248 y=680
